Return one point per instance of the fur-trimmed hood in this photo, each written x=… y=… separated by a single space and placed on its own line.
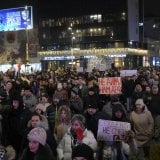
x=43 y=123
x=7 y=153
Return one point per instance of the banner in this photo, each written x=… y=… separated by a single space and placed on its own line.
x=112 y=130
x=124 y=73
x=110 y=85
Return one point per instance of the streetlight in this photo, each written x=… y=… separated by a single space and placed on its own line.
x=27 y=49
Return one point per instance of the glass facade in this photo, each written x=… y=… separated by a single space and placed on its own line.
x=90 y=31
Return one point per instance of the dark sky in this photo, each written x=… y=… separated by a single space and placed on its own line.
x=152 y=7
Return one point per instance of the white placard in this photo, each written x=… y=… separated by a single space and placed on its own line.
x=124 y=73
x=112 y=130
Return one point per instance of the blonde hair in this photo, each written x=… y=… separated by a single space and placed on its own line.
x=68 y=113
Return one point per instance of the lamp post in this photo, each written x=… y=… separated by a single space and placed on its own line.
x=27 y=49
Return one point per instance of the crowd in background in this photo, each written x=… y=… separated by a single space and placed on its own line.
x=54 y=115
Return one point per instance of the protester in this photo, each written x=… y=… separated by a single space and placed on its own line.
x=37 y=147
x=75 y=102
x=143 y=126
x=138 y=93
x=68 y=88
x=38 y=120
x=121 y=149
x=44 y=99
x=14 y=123
x=29 y=99
x=92 y=116
x=76 y=135
x=63 y=122
x=52 y=110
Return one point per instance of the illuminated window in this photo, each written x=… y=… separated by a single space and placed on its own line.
x=96 y=17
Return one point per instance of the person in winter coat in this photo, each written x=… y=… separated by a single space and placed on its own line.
x=63 y=122
x=143 y=126
x=38 y=120
x=155 y=110
x=122 y=150
x=118 y=150
x=76 y=135
x=44 y=99
x=91 y=97
x=51 y=111
x=92 y=116
x=138 y=93
x=110 y=105
x=75 y=102
x=37 y=148
x=128 y=86
x=29 y=99
x=14 y=123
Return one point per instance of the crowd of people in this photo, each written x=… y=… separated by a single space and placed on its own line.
x=55 y=116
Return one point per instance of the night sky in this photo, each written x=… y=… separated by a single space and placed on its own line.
x=152 y=7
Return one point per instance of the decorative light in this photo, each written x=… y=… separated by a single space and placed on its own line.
x=109 y=51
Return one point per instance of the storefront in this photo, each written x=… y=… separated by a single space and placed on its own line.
x=125 y=58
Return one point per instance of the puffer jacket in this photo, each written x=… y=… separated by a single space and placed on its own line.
x=64 y=149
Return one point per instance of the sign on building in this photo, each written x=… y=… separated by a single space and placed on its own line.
x=16 y=19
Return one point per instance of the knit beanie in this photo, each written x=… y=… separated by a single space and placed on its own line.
x=39 y=135
x=83 y=150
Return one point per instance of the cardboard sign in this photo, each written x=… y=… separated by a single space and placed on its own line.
x=110 y=85
x=112 y=130
x=124 y=73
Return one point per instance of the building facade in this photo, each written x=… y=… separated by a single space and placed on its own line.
x=111 y=30
x=74 y=33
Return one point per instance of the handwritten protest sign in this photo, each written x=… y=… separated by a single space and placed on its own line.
x=124 y=73
x=110 y=85
x=112 y=130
